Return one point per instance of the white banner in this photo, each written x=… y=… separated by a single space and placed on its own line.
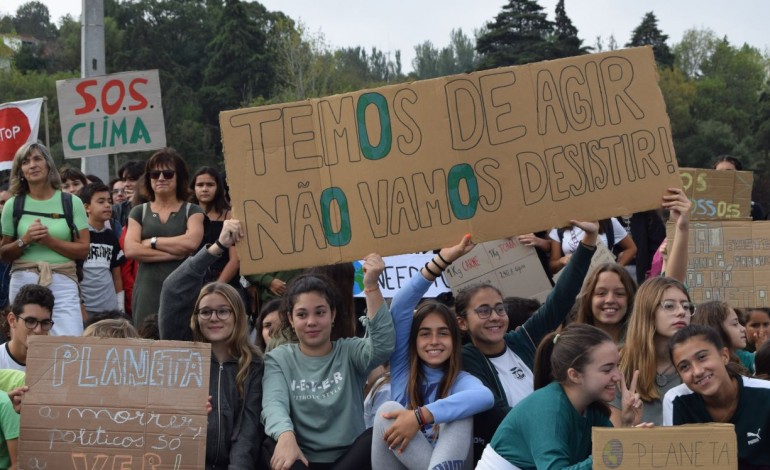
x=398 y=270
x=19 y=124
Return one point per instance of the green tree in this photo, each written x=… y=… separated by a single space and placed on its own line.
x=6 y=25
x=648 y=34
x=518 y=35
x=697 y=47
x=29 y=58
x=565 y=35
x=34 y=19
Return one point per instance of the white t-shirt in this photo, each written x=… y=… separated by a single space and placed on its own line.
x=573 y=236
x=7 y=361
x=517 y=379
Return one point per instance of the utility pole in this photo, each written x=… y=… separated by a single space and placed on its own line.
x=92 y=65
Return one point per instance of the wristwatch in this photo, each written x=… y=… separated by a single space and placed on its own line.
x=154 y=243
x=20 y=243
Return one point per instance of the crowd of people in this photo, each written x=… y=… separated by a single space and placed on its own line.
x=476 y=380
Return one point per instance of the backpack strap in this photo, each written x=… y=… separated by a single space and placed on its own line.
x=66 y=204
x=18 y=210
x=610 y=232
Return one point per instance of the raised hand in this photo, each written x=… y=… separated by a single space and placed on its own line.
x=631 y=403
x=591 y=229
x=680 y=205
x=453 y=252
x=374 y=265
x=231 y=233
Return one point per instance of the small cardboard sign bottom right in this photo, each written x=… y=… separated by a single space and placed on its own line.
x=712 y=446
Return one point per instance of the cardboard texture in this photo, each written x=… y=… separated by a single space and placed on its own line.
x=712 y=446
x=506 y=264
x=728 y=261
x=398 y=271
x=718 y=195
x=114 y=403
x=415 y=166
x=114 y=113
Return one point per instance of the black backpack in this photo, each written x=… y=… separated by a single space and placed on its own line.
x=66 y=203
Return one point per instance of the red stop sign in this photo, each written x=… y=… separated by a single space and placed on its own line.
x=14 y=132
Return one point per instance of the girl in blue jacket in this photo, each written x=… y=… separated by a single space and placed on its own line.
x=429 y=423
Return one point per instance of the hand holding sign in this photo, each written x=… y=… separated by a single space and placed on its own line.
x=231 y=233
x=679 y=205
x=591 y=230
x=631 y=402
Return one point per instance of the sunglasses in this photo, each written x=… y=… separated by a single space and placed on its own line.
x=167 y=174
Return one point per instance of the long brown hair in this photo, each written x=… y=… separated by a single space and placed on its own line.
x=713 y=314
x=451 y=367
x=238 y=345
x=170 y=158
x=638 y=352
x=585 y=313
x=18 y=184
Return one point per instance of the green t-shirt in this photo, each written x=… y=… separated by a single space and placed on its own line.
x=11 y=379
x=9 y=428
x=57 y=228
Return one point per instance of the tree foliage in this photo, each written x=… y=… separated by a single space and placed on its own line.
x=648 y=34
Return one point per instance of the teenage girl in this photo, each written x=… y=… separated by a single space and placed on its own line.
x=430 y=392
x=503 y=360
x=608 y=293
x=563 y=248
x=720 y=316
x=208 y=191
x=713 y=391
x=235 y=387
x=576 y=373
x=313 y=389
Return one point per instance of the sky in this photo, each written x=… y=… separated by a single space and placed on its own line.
x=402 y=24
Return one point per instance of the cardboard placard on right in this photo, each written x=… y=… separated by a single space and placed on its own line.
x=729 y=261
x=718 y=195
x=712 y=446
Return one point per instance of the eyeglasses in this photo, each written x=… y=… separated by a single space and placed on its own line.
x=670 y=306
x=222 y=313
x=484 y=311
x=118 y=191
x=167 y=174
x=31 y=323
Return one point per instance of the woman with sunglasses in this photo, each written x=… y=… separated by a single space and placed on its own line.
x=163 y=232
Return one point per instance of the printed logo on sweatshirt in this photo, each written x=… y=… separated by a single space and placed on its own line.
x=317 y=389
x=754 y=437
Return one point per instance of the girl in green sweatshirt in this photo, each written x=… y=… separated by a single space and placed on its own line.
x=551 y=428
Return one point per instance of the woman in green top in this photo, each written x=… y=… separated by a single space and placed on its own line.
x=576 y=373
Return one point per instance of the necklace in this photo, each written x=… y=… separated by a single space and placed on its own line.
x=661 y=378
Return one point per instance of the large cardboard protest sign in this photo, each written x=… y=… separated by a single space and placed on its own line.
x=399 y=269
x=114 y=403
x=729 y=261
x=415 y=166
x=688 y=447
x=111 y=113
x=718 y=195
x=514 y=269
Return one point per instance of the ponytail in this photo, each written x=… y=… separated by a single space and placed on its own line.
x=542 y=372
x=569 y=349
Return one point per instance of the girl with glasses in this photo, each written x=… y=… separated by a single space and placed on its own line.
x=313 y=389
x=662 y=308
x=163 y=232
x=504 y=360
x=713 y=390
x=429 y=423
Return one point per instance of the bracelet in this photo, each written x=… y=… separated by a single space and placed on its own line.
x=422 y=417
x=220 y=245
x=371 y=289
x=418 y=415
x=446 y=263
x=428 y=269
x=587 y=246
